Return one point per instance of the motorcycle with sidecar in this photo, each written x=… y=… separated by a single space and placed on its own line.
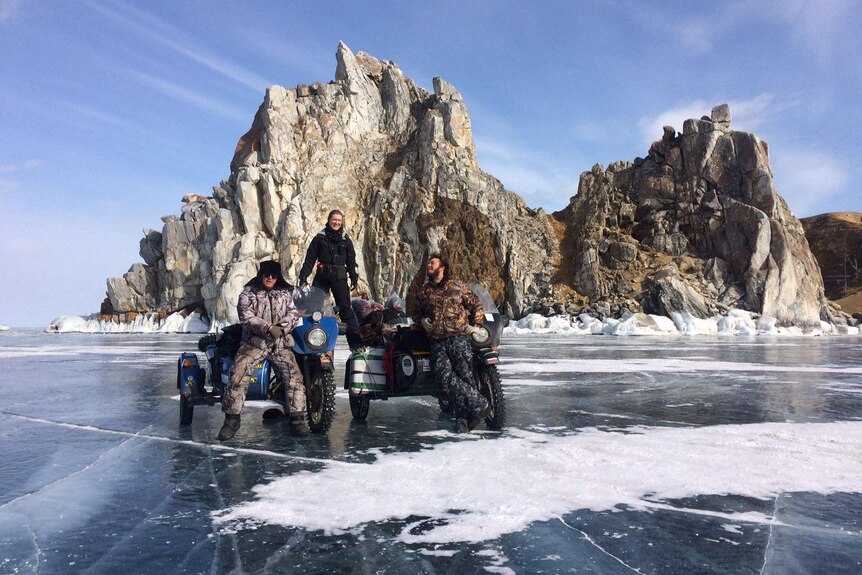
x=314 y=341
x=402 y=367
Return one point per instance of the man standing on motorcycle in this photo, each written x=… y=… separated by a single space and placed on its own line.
x=450 y=312
x=332 y=251
x=268 y=315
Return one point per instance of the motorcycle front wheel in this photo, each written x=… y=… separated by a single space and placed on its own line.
x=187 y=411
x=490 y=387
x=320 y=399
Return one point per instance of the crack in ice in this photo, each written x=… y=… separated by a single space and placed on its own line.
x=769 y=537
x=600 y=548
x=159 y=438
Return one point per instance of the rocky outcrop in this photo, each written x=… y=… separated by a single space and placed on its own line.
x=836 y=242
x=695 y=226
x=398 y=161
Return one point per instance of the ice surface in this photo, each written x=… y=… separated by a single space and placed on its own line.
x=667 y=454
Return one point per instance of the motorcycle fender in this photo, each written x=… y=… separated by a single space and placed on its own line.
x=326 y=362
x=189 y=374
x=489 y=356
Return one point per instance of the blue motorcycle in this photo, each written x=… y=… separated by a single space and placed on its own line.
x=314 y=342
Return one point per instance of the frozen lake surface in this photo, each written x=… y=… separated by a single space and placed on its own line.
x=622 y=455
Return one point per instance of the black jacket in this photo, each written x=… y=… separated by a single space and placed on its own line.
x=334 y=254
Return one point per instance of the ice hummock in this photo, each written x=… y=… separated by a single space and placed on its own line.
x=174 y=323
x=734 y=322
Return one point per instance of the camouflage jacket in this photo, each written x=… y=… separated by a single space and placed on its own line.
x=259 y=309
x=451 y=306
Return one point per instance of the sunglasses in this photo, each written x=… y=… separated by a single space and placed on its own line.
x=269 y=275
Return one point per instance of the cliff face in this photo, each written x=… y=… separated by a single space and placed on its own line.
x=697 y=226
x=398 y=161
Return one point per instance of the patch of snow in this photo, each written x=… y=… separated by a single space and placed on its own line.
x=488 y=488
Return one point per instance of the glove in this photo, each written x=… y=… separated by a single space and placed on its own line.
x=353 y=283
x=471 y=329
x=276 y=331
x=426 y=323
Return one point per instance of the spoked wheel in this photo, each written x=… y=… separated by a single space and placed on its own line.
x=187 y=410
x=489 y=386
x=359 y=406
x=320 y=398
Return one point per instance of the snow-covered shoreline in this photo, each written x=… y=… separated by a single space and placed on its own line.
x=734 y=323
x=174 y=323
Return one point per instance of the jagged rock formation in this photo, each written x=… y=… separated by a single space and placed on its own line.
x=696 y=226
x=398 y=161
x=836 y=242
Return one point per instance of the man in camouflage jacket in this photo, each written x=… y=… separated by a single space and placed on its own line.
x=450 y=312
x=268 y=315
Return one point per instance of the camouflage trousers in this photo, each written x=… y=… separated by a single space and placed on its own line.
x=452 y=363
x=286 y=369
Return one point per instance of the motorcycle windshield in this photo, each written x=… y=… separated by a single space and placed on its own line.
x=311 y=299
x=484 y=298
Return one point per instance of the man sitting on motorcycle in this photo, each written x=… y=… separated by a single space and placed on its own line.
x=268 y=314
x=449 y=312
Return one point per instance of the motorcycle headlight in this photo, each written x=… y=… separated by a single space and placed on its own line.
x=481 y=336
x=316 y=316
x=316 y=338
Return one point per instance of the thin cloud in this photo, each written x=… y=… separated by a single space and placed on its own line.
x=9 y=10
x=748 y=115
x=827 y=27
x=808 y=179
x=159 y=32
x=540 y=182
x=189 y=96
x=22 y=167
x=100 y=116
x=7 y=186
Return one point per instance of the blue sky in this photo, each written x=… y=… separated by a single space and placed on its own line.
x=111 y=111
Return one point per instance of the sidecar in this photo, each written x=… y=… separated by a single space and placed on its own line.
x=402 y=367
x=314 y=340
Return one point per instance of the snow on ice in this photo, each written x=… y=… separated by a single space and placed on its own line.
x=554 y=474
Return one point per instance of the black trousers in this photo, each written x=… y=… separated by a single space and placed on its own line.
x=341 y=294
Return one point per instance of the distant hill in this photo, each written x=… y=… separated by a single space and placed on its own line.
x=836 y=241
